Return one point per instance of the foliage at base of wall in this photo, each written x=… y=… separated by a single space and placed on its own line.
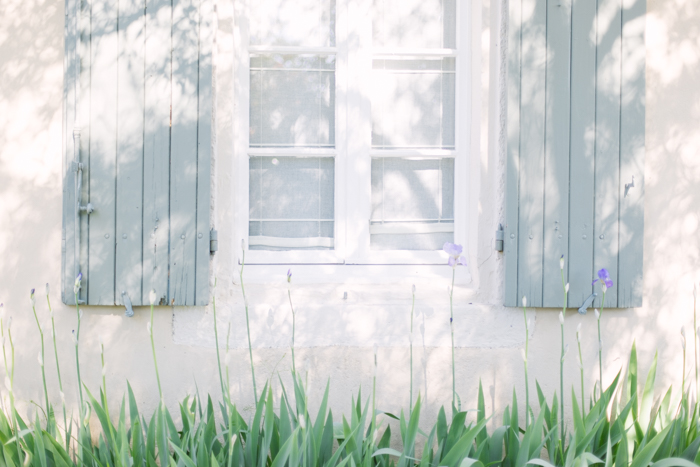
x=620 y=427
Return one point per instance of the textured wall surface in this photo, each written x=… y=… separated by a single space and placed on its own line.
x=336 y=336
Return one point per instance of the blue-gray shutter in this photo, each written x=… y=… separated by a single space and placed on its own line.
x=575 y=157
x=144 y=103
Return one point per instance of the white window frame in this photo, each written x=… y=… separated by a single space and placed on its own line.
x=352 y=136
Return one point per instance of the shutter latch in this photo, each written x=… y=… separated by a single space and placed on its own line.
x=587 y=303
x=213 y=241
x=499 y=238
x=127 y=303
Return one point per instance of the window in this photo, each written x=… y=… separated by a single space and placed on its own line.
x=345 y=135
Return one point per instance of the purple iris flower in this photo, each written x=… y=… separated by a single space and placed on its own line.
x=455 y=252
x=289 y=275
x=604 y=278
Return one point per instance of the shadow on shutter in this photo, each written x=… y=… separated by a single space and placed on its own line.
x=575 y=158
x=144 y=114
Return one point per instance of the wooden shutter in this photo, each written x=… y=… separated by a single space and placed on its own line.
x=143 y=103
x=575 y=158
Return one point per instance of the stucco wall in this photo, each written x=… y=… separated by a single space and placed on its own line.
x=335 y=336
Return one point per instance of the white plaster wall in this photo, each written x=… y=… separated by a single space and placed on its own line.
x=335 y=336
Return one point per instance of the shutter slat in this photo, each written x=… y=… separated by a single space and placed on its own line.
x=84 y=122
x=103 y=143
x=511 y=236
x=183 y=193
x=532 y=114
x=68 y=238
x=581 y=196
x=556 y=200
x=156 y=170
x=130 y=109
x=607 y=159
x=204 y=152
x=632 y=154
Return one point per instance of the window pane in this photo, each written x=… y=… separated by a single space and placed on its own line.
x=412 y=203
x=291 y=203
x=292 y=100
x=414 y=23
x=308 y=23
x=413 y=103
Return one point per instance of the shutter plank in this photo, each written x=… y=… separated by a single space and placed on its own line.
x=130 y=110
x=532 y=99
x=632 y=154
x=583 y=73
x=85 y=126
x=556 y=199
x=511 y=234
x=204 y=153
x=68 y=234
x=156 y=170
x=183 y=181
x=103 y=143
x=607 y=156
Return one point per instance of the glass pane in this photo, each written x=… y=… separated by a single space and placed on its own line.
x=412 y=203
x=413 y=103
x=414 y=23
x=291 y=203
x=292 y=100
x=308 y=23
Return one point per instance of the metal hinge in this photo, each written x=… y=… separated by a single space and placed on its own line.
x=213 y=241
x=499 y=238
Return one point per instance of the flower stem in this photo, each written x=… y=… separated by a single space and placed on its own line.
x=294 y=323
x=527 y=386
x=695 y=341
x=580 y=359
x=12 y=396
x=374 y=394
x=452 y=332
x=77 y=357
x=247 y=325
x=561 y=362
x=58 y=371
x=600 y=346
x=104 y=402
x=43 y=373
x=683 y=394
x=218 y=356
x=155 y=360
x=410 y=391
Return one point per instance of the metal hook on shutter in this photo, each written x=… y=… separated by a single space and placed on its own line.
x=127 y=303
x=587 y=303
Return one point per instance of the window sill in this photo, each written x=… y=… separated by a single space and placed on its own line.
x=356 y=274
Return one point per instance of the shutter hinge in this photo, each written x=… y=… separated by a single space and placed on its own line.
x=213 y=241
x=499 y=238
